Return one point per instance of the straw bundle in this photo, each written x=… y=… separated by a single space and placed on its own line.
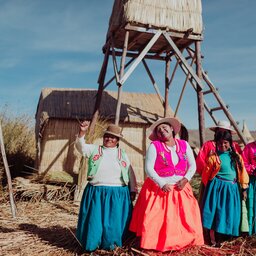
x=176 y=15
x=36 y=192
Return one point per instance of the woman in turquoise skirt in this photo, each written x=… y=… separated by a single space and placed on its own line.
x=227 y=182
x=106 y=205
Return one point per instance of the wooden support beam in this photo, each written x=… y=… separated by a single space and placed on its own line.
x=183 y=89
x=113 y=77
x=140 y=57
x=136 y=55
x=207 y=92
x=100 y=91
x=166 y=94
x=119 y=84
x=170 y=33
x=200 y=95
x=225 y=109
x=215 y=109
x=153 y=82
x=210 y=113
x=115 y=66
x=105 y=61
x=134 y=41
x=183 y=60
x=192 y=82
x=173 y=72
x=8 y=174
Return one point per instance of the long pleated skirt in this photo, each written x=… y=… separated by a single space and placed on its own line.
x=104 y=217
x=166 y=220
x=221 y=207
x=251 y=205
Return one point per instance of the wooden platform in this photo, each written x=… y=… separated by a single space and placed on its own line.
x=140 y=36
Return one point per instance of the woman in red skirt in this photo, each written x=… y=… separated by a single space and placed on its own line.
x=166 y=215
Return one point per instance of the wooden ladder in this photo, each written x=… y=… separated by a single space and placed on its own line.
x=209 y=88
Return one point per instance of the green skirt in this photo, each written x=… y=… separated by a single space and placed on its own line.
x=251 y=205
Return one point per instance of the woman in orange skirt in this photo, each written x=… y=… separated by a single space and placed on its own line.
x=166 y=215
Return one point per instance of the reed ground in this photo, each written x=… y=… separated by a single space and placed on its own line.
x=47 y=227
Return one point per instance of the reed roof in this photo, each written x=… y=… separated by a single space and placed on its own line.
x=79 y=103
x=175 y=15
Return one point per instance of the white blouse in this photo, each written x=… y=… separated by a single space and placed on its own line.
x=109 y=171
x=161 y=181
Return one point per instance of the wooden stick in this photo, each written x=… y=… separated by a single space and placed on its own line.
x=137 y=251
x=8 y=174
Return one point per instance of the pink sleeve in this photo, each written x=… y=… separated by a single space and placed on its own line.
x=203 y=155
x=249 y=157
x=237 y=148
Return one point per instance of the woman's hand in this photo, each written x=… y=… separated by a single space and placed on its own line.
x=181 y=183
x=167 y=188
x=244 y=195
x=132 y=195
x=84 y=125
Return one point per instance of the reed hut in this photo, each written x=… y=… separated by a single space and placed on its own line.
x=247 y=133
x=56 y=127
x=173 y=15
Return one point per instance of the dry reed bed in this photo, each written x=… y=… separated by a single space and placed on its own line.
x=47 y=228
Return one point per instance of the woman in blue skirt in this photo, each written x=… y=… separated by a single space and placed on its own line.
x=227 y=182
x=106 y=205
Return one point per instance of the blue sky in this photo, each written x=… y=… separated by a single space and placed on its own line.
x=58 y=43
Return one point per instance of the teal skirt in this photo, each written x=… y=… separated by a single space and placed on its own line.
x=221 y=207
x=251 y=205
x=104 y=217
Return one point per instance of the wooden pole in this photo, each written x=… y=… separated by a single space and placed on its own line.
x=8 y=174
x=141 y=56
x=100 y=91
x=200 y=95
x=166 y=94
x=122 y=66
x=179 y=56
x=153 y=82
x=183 y=89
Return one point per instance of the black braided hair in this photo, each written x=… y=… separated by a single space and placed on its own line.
x=226 y=135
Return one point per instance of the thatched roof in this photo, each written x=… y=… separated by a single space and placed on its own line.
x=247 y=134
x=172 y=14
x=79 y=103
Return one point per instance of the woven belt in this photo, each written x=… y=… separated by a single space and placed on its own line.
x=232 y=181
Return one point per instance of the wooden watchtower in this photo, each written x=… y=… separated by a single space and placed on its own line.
x=170 y=31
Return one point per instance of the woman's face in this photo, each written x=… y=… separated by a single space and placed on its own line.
x=164 y=132
x=110 y=141
x=223 y=145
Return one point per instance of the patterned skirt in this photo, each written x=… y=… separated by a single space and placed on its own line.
x=104 y=217
x=166 y=220
x=221 y=207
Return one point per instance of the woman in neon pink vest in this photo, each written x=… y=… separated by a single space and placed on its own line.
x=166 y=215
